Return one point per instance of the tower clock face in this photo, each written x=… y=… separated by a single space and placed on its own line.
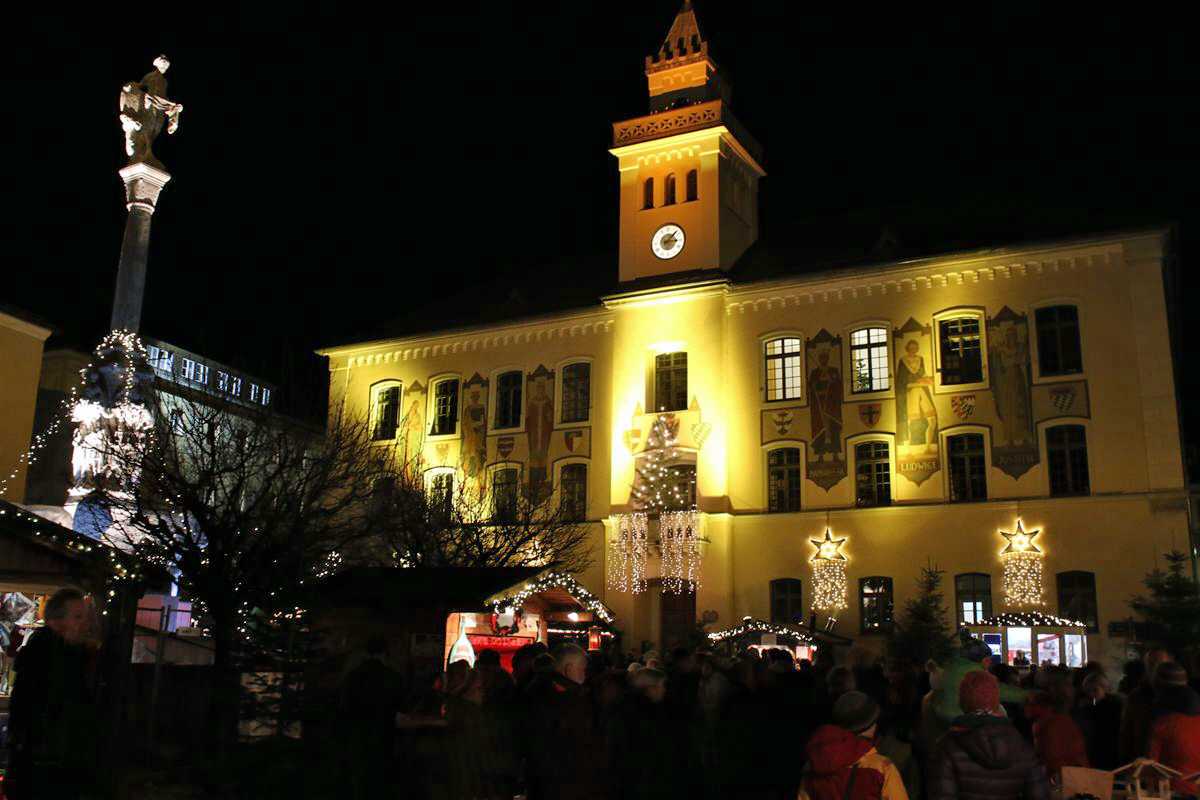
x=667 y=241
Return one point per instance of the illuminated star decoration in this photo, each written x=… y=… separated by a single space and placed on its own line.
x=1019 y=541
x=828 y=549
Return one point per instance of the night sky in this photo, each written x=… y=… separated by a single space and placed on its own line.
x=329 y=186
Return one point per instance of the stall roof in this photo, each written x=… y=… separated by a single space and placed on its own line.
x=39 y=554
x=451 y=588
x=1027 y=619
x=802 y=633
x=558 y=588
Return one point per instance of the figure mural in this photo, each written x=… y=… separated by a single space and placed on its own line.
x=413 y=420
x=916 y=416
x=1014 y=442
x=474 y=446
x=143 y=108
x=826 y=455
x=539 y=423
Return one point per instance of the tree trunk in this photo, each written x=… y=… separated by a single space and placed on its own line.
x=226 y=686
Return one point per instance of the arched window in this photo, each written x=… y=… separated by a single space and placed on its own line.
x=872 y=474
x=787 y=601
x=783 y=480
x=968 y=468
x=1066 y=450
x=693 y=188
x=504 y=494
x=648 y=193
x=1077 y=598
x=783 y=368
x=973 y=597
x=573 y=484
x=669 y=191
x=385 y=410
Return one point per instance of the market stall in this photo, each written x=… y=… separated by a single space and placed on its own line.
x=756 y=634
x=1031 y=637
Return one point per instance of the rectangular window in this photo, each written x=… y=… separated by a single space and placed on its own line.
x=869 y=360
x=266 y=395
x=235 y=386
x=973 y=597
x=445 y=408
x=576 y=392
x=253 y=392
x=441 y=494
x=387 y=408
x=787 y=601
x=223 y=380
x=872 y=474
x=194 y=371
x=508 y=400
x=163 y=361
x=574 y=492
x=1066 y=451
x=504 y=495
x=968 y=468
x=784 y=368
x=1059 y=352
x=1077 y=598
x=961 y=348
x=783 y=480
x=875 y=603
x=670 y=382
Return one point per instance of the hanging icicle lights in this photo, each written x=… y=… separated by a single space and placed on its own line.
x=1023 y=562
x=627 y=555
x=829 y=574
x=677 y=531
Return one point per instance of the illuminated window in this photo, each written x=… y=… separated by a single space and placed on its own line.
x=784 y=368
x=223 y=380
x=1077 y=598
x=648 y=193
x=783 y=480
x=1066 y=451
x=504 y=494
x=669 y=190
x=445 y=408
x=194 y=371
x=973 y=597
x=961 y=350
x=693 y=179
x=235 y=386
x=508 y=400
x=968 y=468
x=875 y=603
x=266 y=395
x=573 y=484
x=161 y=360
x=1059 y=352
x=872 y=474
x=869 y=360
x=253 y=392
x=385 y=411
x=670 y=382
x=576 y=392
x=787 y=601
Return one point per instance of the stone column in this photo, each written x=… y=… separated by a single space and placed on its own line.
x=142 y=186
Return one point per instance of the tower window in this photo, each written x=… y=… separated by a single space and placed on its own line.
x=1058 y=340
x=961 y=351
x=872 y=474
x=783 y=480
x=869 y=360
x=1066 y=449
x=783 y=369
x=973 y=597
x=508 y=400
x=648 y=193
x=787 y=601
x=445 y=408
x=669 y=191
x=968 y=468
x=670 y=382
x=693 y=188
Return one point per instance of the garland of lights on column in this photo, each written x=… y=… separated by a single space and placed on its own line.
x=680 y=551
x=627 y=555
x=829 y=574
x=658 y=490
x=1022 y=561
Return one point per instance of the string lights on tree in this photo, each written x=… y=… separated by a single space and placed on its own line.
x=829 y=574
x=1023 y=562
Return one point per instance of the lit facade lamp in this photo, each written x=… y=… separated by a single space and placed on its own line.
x=829 y=574
x=1023 y=564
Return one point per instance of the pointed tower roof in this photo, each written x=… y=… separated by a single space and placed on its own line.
x=684 y=43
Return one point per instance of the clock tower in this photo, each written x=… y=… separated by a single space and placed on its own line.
x=689 y=172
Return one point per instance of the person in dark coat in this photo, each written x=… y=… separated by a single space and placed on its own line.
x=983 y=757
x=1099 y=717
x=52 y=725
x=1138 y=714
x=564 y=751
x=371 y=696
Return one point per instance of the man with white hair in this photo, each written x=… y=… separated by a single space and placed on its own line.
x=564 y=751
x=571 y=662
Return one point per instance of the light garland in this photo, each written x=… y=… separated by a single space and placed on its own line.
x=555 y=580
x=1023 y=562
x=750 y=625
x=677 y=531
x=627 y=555
x=1027 y=619
x=829 y=574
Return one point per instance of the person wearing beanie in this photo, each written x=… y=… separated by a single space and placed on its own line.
x=982 y=757
x=842 y=760
x=1175 y=733
x=1057 y=739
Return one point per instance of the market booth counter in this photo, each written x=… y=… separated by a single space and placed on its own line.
x=1032 y=637
x=801 y=641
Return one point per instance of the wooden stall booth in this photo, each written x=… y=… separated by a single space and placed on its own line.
x=1031 y=637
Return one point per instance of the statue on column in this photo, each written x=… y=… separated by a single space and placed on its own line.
x=143 y=108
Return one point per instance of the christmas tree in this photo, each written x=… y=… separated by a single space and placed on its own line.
x=921 y=632
x=1173 y=606
x=661 y=484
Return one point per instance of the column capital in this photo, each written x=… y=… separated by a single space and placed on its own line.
x=142 y=185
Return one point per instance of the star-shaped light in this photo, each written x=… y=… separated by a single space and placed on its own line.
x=1019 y=541
x=827 y=548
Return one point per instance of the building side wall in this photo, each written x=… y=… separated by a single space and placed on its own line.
x=20 y=368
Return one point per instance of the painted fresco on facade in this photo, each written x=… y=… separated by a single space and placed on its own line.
x=963 y=406
x=539 y=423
x=781 y=423
x=826 y=453
x=474 y=422
x=1053 y=400
x=413 y=420
x=869 y=414
x=1014 y=439
x=916 y=416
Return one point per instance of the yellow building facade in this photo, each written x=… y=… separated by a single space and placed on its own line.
x=21 y=342
x=916 y=409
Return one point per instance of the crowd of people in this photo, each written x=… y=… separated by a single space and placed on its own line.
x=570 y=724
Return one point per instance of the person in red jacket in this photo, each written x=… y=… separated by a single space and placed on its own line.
x=1175 y=733
x=1057 y=739
x=842 y=761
